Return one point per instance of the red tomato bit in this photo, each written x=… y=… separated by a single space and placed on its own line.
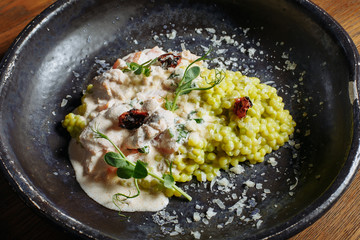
x=241 y=106
x=169 y=60
x=132 y=119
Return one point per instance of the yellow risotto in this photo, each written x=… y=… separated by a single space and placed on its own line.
x=230 y=140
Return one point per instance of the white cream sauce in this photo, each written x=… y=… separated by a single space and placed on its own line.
x=114 y=93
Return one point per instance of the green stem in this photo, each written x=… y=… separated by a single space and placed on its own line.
x=173 y=107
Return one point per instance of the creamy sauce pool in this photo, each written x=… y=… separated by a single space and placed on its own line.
x=114 y=93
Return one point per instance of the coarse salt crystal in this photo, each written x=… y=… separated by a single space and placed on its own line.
x=210 y=30
x=272 y=161
x=219 y=203
x=171 y=35
x=64 y=102
x=249 y=183
x=223 y=182
x=237 y=169
x=230 y=220
x=251 y=52
x=210 y=213
x=198 y=30
x=196 y=216
x=196 y=234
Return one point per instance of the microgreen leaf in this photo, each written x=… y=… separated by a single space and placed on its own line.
x=114 y=159
x=168 y=181
x=186 y=84
x=146 y=72
x=140 y=170
x=191 y=74
x=139 y=69
x=126 y=171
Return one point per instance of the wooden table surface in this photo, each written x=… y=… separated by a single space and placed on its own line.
x=18 y=221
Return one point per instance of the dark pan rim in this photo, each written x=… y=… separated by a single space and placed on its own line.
x=28 y=192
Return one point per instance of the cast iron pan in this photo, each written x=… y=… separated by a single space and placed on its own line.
x=59 y=53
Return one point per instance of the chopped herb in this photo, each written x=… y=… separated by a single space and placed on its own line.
x=145 y=150
x=170 y=133
x=198 y=120
x=173 y=75
x=182 y=132
x=192 y=113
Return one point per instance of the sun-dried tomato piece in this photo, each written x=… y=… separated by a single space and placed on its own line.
x=169 y=60
x=241 y=106
x=132 y=119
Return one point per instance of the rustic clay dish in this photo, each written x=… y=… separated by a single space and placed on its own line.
x=55 y=57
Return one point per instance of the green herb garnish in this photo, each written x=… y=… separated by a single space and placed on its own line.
x=170 y=133
x=139 y=69
x=186 y=84
x=168 y=177
x=144 y=149
x=182 y=132
x=127 y=169
x=197 y=120
x=173 y=75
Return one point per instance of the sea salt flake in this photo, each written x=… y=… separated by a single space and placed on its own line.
x=196 y=216
x=249 y=183
x=223 y=182
x=219 y=203
x=64 y=102
x=210 y=30
x=230 y=220
x=171 y=35
x=272 y=161
x=251 y=52
x=198 y=30
x=210 y=213
x=237 y=169
x=290 y=65
x=196 y=234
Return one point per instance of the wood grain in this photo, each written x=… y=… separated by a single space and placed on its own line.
x=17 y=221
